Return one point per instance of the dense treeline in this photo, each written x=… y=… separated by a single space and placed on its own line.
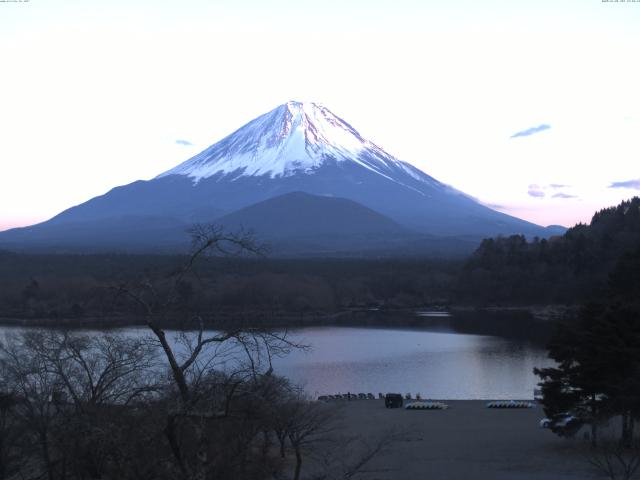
x=563 y=269
x=82 y=287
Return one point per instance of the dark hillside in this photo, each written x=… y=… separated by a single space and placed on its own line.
x=563 y=269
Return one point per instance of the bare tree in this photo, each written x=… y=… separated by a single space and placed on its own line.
x=11 y=435
x=31 y=381
x=309 y=423
x=615 y=459
x=346 y=456
x=98 y=369
x=156 y=305
x=245 y=351
x=70 y=391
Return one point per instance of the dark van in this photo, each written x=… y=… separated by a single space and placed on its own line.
x=393 y=400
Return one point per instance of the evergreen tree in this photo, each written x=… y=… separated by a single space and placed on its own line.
x=598 y=357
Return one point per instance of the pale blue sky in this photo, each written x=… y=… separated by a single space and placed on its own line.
x=95 y=94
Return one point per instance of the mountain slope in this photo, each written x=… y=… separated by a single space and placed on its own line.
x=301 y=224
x=297 y=147
x=299 y=214
x=131 y=233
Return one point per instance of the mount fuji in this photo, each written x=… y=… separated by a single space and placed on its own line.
x=300 y=148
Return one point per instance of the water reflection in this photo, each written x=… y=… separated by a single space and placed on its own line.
x=437 y=364
x=433 y=314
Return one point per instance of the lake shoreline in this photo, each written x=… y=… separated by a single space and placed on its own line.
x=436 y=362
x=503 y=321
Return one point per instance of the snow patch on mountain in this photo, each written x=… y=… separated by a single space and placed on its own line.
x=293 y=138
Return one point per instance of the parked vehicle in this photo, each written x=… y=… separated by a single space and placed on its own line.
x=564 y=424
x=393 y=400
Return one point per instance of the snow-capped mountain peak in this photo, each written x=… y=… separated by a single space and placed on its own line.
x=296 y=137
x=276 y=172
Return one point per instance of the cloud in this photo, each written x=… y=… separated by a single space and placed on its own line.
x=185 y=143
x=535 y=190
x=497 y=206
x=635 y=184
x=563 y=195
x=531 y=131
x=540 y=191
x=536 y=193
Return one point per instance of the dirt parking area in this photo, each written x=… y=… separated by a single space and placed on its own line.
x=467 y=441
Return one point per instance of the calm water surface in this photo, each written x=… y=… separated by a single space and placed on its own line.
x=436 y=364
x=439 y=365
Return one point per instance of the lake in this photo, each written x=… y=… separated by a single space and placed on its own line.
x=439 y=364
x=436 y=364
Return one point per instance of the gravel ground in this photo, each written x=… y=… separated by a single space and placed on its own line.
x=467 y=441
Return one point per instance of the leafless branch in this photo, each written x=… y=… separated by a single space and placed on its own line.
x=612 y=459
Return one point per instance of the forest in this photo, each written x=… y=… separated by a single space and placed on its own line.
x=503 y=271
x=67 y=288
x=565 y=269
